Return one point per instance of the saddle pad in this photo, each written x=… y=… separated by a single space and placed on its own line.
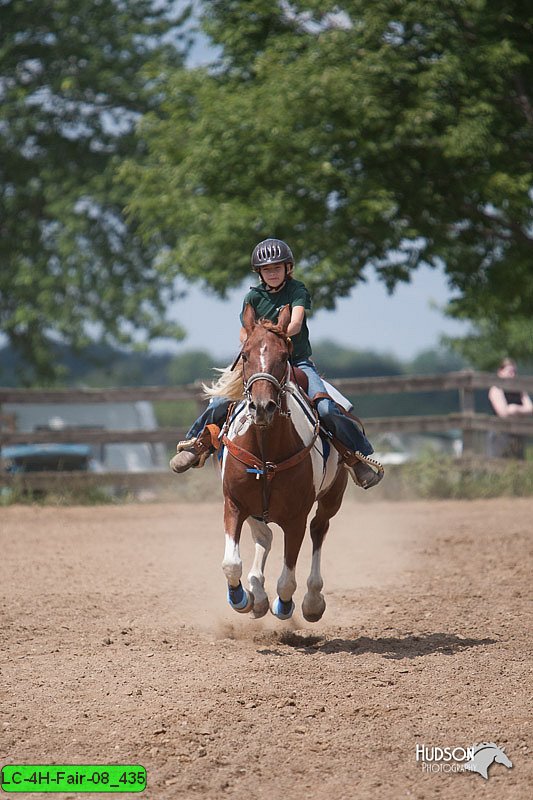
x=337 y=396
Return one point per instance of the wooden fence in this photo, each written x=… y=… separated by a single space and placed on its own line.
x=465 y=420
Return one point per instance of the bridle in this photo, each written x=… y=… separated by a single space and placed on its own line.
x=266 y=376
x=279 y=385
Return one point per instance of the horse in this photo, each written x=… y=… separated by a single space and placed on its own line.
x=486 y=754
x=274 y=466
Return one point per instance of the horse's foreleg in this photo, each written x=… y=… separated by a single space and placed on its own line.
x=262 y=536
x=283 y=605
x=314 y=604
x=238 y=598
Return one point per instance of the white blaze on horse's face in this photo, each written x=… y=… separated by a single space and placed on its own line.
x=265 y=354
x=262 y=357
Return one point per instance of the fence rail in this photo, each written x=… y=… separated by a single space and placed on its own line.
x=466 y=380
x=467 y=421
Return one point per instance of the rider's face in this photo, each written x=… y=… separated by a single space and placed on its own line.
x=273 y=274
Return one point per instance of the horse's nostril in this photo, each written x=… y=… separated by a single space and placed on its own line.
x=270 y=407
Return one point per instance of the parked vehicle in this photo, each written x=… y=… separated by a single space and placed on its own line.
x=49 y=458
x=123 y=457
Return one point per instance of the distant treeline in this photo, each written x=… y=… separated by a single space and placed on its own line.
x=101 y=365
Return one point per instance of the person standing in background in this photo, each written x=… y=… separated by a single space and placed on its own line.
x=508 y=404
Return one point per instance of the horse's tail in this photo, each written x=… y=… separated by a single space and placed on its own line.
x=229 y=384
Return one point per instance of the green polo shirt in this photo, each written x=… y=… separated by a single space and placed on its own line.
x=269 y=304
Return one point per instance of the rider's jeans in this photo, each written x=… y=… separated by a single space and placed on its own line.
x=345 y=429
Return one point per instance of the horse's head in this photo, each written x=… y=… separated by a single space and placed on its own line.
x=265 y=356
x=484 y=755
x=502 y=757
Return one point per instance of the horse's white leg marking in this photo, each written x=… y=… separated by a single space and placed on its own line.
x=262 y=536
x=314 y=605
x=232 y=563
x=314 y=581
x=286 y=584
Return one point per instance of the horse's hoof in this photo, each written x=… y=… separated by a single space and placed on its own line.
x=260 y=608
x=239 y=599
x=282 y=609
x=315 y=612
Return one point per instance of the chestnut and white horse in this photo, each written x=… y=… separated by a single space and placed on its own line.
x=275 y=466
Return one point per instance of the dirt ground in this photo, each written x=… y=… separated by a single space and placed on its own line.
x=117 y=646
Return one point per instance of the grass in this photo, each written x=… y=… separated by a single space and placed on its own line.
x=430 y=477
x=445 y=477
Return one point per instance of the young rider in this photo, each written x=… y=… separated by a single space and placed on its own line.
x=273 y=260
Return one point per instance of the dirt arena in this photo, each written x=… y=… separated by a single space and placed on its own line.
x=117 y=646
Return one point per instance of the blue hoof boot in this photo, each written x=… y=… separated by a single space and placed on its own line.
x=282 y=609
x=239 y=599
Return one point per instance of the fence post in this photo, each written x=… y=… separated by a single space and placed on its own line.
x=467 y=406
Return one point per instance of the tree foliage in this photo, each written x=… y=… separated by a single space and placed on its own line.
x=491 y=340
x=71 y=90
x=337 y=361
x=375 y=135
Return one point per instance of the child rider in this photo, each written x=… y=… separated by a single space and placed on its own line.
x=273 y=260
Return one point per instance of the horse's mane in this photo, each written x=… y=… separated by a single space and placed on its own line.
x=229 y=383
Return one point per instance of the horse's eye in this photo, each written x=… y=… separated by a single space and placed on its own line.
x=244 y=357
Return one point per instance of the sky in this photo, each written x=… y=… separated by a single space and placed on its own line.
x=402 y=324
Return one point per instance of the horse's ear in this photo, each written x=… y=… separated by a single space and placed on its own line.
x=284 y=317
x=248 y=318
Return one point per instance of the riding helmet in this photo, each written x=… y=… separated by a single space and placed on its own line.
x=271 y=251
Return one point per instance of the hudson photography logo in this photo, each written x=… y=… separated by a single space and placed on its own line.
x=477 y=758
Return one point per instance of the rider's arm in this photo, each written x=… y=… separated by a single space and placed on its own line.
x=297 y=319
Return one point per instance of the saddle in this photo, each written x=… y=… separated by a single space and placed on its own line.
x=300 y=378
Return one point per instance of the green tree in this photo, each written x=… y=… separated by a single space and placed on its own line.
x=375 y=135
x=342 y=362
x=191 y=366
x=71 y=90
x=491 y=339
x=431 y=362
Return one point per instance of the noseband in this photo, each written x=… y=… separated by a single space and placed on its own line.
x=265 y=376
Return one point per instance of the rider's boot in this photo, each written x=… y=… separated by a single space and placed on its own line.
x=192 y=452
x=366 y=472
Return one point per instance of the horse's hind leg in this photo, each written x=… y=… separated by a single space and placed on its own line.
x=238 y=598
x=262 y=536
x=314 y=605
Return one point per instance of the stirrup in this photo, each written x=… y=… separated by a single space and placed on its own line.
x=373 y=463
x=194 y=445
